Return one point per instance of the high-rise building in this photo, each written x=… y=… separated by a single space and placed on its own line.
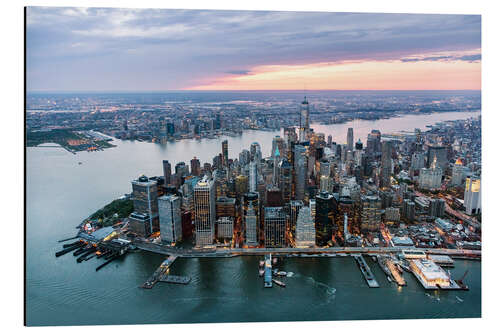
x=169 y=207
x=436 y=207
x=225 y=206
x=373 y=143
x=326 y=184
x=300 y=160
x=430 y=179
x=324 y=214
x=304 y=121
x=241 y=185
x=294 y=207
x=392 y=214
x=370 y=213
x=255 y=152
x=458 y=173
x=225 y=157
x=181 y=169
x=251 y=218
x=409 y=210
x=195 y=166
x=167 y=172
x=305 y=232
x=225 y=226
x=386 y=165
x=145 y=198
x=244 y=157
x=472 y=195
x=276 y=159
x=140 y=224
x=275 y=227
x=350 y=139
x=439 y=154
x=285 y=180
x=204 y=211
x=254 y=176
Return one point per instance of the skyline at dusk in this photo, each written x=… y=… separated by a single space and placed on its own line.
x=104 y=49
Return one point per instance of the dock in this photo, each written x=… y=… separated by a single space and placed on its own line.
x=161 y=274
x=268 y=272
x=365 y=270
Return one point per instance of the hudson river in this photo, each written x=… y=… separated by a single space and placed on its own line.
x=60 y=193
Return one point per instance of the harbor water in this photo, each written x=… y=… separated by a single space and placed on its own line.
x=60 y=193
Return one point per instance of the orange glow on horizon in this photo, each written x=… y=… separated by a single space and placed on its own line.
x=356 y=75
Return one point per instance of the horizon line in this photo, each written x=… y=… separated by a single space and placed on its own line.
x=240 y=90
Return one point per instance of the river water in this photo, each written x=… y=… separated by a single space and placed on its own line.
x=60 y=193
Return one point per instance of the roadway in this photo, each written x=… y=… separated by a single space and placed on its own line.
x=230 y=252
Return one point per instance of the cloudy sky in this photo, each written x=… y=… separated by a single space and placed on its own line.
x=97 y=49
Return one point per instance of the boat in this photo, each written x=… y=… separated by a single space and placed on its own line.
x=261 y=263
x=281 y=273
x=261 y=272
x=279 y=283
x=289 y=274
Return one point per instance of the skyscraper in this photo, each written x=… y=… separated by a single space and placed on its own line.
x=204 y=211
x=274 y=227
x=304 y=121
x=145 y=198
x=255 y=152
x=350 y=139
x=305 y=232
x=251 y=218
x=254 y=176
x=285 y=180
x=169 y=207
x=195 y=166
x=225 y=157
x=167 y=172
x=300 y=159
x=373 y=143
x=324 y=218
x=386 y=169
x=472 y=195
x=370 y=213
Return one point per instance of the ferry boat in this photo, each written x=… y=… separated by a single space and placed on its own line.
x=279 y=283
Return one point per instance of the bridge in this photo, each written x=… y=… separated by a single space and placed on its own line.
x=233 y=252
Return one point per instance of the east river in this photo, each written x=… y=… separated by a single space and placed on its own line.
x=60 y=193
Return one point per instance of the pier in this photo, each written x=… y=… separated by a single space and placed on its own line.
x=367 y=273
x=161 y=274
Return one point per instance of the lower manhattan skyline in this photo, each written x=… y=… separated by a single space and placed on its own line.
x=203 y=166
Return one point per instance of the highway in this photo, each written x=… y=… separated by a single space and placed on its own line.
x=230 y=252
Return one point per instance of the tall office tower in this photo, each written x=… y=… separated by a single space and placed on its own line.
x=324 y=167
x=251 y=218
x=244 y=157
x=329 y=143
x=359 y=145
x=392 y=214
x=204 y=212
x=290 y=136
x=225 y=227
x=255 y=152
x=145 y=198
x=439 y=154
x=458 y=173
x=326 y=184
x=169 y=208
x=274 y=227
x=305 y=232
x=241 y=185
x=386 y=169
x=346 y=205
x=472 y=195
x=371 y=207
x=417 y=161
x=300 y=160
x=273 y=196
x=350 y=139
x=217 y=162
x=285 y=180
x=430 y=179
x=167 y=172
x=254 y=176
x=181 y=169
x=373 y=143
x=324 y=218
x=436 y=207
x=304 y=121
x=409 y=210
x=295 y=206
x=163 y=131
x=225 y=157
x=276 y=159
x=195 y=166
